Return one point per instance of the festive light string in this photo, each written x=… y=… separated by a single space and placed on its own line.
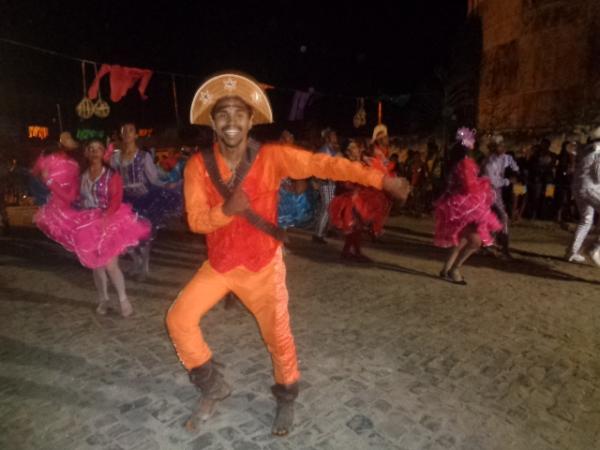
x=397 y=99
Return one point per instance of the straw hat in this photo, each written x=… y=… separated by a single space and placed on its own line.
x=379 y=131
x=230 y=84
x=66 y=140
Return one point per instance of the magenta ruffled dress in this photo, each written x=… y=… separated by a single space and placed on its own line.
x=468 y=200
x=103 y=229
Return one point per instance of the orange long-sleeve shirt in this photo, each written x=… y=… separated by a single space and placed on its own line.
x=231 y=240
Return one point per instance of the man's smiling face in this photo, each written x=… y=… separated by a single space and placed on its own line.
x=232 y=120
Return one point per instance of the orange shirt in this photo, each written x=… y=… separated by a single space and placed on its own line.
x=231 y=240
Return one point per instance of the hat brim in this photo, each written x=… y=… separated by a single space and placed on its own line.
x=230 y=85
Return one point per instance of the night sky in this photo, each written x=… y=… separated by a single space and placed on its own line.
x=342 y=51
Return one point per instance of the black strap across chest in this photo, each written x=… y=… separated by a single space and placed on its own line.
x=227 y=189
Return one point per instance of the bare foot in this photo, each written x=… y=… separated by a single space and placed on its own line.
x=126 y=308
x=456 y=276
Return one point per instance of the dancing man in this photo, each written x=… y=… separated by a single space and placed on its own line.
x=494 y=167
x=586 y=189
x=231 y=196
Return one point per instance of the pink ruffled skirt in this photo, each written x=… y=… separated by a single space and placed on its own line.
x=95 y=238
x=454 y=212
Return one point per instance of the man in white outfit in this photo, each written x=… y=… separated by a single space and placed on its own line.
x=586 y=189
x=494 y=167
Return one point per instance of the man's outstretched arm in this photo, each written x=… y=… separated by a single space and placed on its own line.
x=297 y=163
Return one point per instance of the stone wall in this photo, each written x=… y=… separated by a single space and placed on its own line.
x=540 y=66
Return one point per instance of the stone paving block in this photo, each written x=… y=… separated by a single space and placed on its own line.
x=131 y=439
x=360 y=424
x=98 y=439
x=244 y=445
x=251 y=427
x=146 y=444
x=116 y=430
x=431 y=423
x=229 y=434
x=446 y=441
x=203 y=441
x=136 y=404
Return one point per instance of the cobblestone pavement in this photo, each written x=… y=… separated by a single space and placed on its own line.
x=391 y=356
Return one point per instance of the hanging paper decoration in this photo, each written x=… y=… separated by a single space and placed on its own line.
x=85 y=108
x=121 y=80
x=299 y=103
x=101 y=108
x=360 y=118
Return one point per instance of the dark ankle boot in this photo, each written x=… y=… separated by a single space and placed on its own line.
x=210 y=381
x=213 y=387
x=503 y=241
x=284 y=417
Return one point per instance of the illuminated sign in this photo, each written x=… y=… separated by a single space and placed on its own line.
x=145 y=132
x=85 y=134
x=37 y=132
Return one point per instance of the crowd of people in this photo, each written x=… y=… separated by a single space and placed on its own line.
x=243 y=194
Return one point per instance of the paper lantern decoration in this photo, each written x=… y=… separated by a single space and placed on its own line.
x=360 y=118
x=101 y=108
x=85 y=108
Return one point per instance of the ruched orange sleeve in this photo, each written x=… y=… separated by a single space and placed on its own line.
x=297 y=163
x=202 y=217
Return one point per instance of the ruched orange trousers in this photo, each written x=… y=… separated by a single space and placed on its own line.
x=264 y=293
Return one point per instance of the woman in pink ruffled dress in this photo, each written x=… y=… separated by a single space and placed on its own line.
x=99 y=232
x=464 y=220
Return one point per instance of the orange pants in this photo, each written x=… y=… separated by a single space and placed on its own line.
x=264 y=293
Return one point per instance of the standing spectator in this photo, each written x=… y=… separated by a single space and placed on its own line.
x=541 y=175
x=419 y=177
x=564 y=177
x=519 y=190
x=326 y=187
x=434 y=171
x=4 y=176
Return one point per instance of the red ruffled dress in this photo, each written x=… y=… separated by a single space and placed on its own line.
x=467 y=200
x=355 y=206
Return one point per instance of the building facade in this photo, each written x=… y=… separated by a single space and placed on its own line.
x=540 y=68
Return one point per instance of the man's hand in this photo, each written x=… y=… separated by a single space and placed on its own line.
x=237 y=203
x=397 y=187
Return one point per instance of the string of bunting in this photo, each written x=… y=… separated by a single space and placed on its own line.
x=300 y=98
